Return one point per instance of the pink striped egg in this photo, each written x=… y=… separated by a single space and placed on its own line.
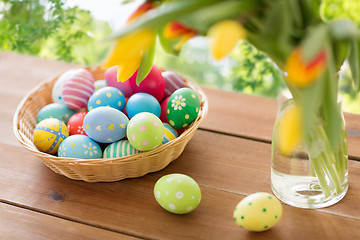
x=173 y=82
x=78 y=89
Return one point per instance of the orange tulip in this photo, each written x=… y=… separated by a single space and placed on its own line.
x=175 y=30
x=143 y=8
x=301 y=73
x=224 y=36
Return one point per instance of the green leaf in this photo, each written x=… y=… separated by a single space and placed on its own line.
x=163 y=14
x=341 y=52
x=314 y=41
x=146 y=64
x=167 y=44
x=354 y=63
x=203 y=18
x=343 y=29
x=330 y=108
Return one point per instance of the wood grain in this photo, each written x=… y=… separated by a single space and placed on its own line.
x=224 y=159
x=253 y=117
x=231 y=113
x=226 y=168
x=19 y=223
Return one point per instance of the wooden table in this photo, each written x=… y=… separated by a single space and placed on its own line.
x=229 y=157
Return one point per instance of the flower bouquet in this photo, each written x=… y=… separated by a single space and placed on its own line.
x=309 y=50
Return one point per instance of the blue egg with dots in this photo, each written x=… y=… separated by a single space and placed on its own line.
x=107 y=97
x=79 y=146
x=142 y=102
x=105 y=124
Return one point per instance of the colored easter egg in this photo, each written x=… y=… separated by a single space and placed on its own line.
x=55 y=110
x=169 y=133
x=145 y=131
x=107 y=97
x=258 y=212
x=75 y=124
x=48 y=134
x=78 y=89
x=152 y=84
x=177 y=193
x=163 y=106
x=183 y=108
x=79 y=146
x=105 y=124
x=173 y=81
x=120 y=148
x=111 y=79
x=142 y=102
x=57 y=89
x=100 y=84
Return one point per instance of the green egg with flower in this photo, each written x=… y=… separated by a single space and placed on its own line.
x=183 y=108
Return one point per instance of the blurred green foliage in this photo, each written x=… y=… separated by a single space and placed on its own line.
x=48 y=29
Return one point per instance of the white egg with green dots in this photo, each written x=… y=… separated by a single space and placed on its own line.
x=258 y=212
x=177 y=193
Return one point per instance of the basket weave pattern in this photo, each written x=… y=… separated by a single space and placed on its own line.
x=98 y=170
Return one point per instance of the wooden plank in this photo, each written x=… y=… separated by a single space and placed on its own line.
x=253 y=117
x=19 y=223
x=20 y=73
x=226 y=168
x=231 y=113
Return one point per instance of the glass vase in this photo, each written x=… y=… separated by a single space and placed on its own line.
x=314 y=175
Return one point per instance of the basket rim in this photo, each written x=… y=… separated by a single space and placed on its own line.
x=204 y=106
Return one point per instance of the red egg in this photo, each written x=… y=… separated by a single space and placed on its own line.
x=163 y=105
x=153 y=83
x=111 y=80
x=75 y=124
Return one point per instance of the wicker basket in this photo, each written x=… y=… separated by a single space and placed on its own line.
x=99 y=170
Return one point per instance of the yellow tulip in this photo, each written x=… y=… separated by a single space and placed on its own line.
x=127 y=68
x=130 y=46
x=290 y=130
x=224 y=35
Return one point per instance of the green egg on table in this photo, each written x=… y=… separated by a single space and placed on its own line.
x=258 y=212
x=145 y=131
x=177 y=193
x=183 y=108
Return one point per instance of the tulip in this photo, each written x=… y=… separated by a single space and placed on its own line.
x=143 y=8
x=175 y=30
x=224 y=36
x=301 y=73
x=127 y=52
x=290 y=134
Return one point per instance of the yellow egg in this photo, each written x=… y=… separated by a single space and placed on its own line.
x=258 y=212
x=48 y=134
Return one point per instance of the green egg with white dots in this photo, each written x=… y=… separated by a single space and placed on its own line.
x=145 y=131
x=182 y=108
x=258 y=212
x=177 y=193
